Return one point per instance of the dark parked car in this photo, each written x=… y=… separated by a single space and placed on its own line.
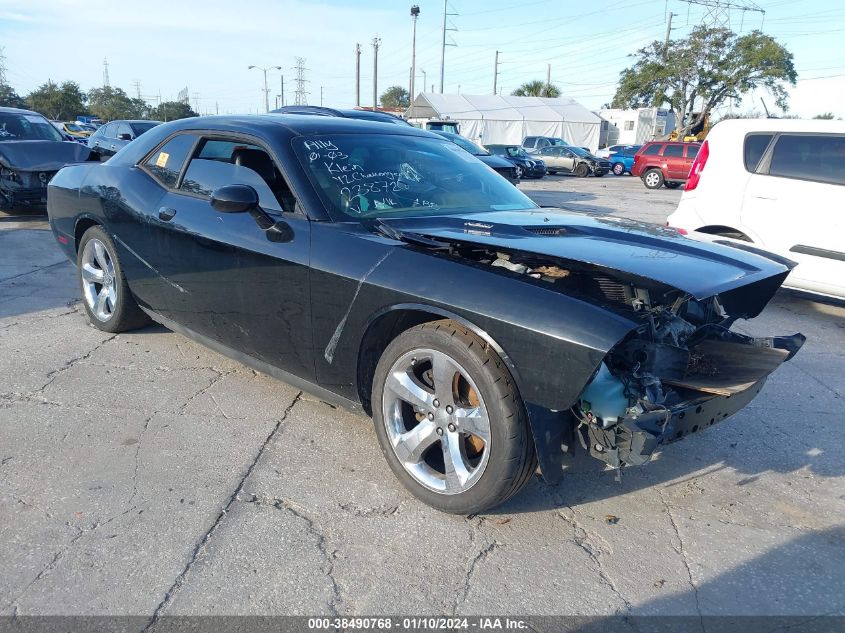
x=504 y=168
x=622 y=160
x=32 y=150
x=382 y=268
x=111 y=137
x=664 y=163
x=349 y=113
x=526 y=166
x=573 y=160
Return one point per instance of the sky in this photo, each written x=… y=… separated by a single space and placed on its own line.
x=164 y=46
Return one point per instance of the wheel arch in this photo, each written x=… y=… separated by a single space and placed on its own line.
x=725 y=231
x=388 y=323
x=82 y=224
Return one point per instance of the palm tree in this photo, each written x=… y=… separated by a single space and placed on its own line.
x=537 y=88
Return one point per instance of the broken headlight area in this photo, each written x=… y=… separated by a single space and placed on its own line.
x=678 y=373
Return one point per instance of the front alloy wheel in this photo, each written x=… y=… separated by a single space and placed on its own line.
x=618 y=169
x=436 y=422
x=517 y=171
x=450 y=420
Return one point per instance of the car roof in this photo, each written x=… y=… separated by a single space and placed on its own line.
x=781 y=125
x=296 y=124
x=371 y=115
x=19 y=111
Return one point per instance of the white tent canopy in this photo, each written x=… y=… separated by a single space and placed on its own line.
x=507 y=119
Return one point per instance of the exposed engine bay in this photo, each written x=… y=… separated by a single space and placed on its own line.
x=680 y=371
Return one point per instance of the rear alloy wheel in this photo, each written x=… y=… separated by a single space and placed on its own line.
x=618 y=169
x=517 y=171
x=653 y=179
x=450 y=420
x=108 y=302
x=582 y=171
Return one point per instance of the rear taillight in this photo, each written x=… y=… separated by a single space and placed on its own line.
x=678 y=229
x=697 y=167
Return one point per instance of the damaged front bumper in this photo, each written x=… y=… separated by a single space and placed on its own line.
x=706 y=401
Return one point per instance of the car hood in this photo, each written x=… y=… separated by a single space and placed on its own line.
x=41 y=155
x=638 y=249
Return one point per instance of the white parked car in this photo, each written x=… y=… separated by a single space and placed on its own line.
x=778 y=184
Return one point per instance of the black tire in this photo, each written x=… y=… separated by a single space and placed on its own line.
x=511 y=460
x=618 y=169
x=672 y=185
x=599 y=174
x=125 y=314
x=551 y=172
x=653 y=178
x=582 y=171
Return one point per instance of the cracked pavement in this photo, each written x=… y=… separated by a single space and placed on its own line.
x=142 y=474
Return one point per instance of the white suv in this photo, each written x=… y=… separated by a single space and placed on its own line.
x=779 y=184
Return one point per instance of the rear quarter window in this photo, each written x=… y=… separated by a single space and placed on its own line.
x=165 y=164
x=753 y=150
x=652 y=150
x=820 y=158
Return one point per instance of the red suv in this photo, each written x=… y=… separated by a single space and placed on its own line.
x=664 y=163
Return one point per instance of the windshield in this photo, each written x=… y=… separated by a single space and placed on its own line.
x=27 y=127
x=516 y=152
x=140 y=128
x=469 y=146
x=73 y=127
x=385 y=175
x=579 y=150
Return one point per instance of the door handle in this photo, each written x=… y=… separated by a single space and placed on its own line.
x=166 y=214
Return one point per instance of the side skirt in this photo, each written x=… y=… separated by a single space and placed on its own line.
x=317 y=391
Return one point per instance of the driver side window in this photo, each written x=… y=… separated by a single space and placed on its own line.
x=218 y=163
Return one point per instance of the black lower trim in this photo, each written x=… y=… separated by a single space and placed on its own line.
x=818 y=252
x=317 y=391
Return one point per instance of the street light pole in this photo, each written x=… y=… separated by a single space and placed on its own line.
x=266 y=89
x=415 y=12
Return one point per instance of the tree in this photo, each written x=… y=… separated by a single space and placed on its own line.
x=9 y=98
x=536 y=88
x=65 y=101
x=171 y=110
x=699 y=73
x=827 y=116
x=113 y=103
x=395 y=97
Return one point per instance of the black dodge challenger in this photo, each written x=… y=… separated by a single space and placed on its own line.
x=383 y=268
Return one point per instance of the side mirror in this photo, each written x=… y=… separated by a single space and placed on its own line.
x=234 y=199
x=124 y=137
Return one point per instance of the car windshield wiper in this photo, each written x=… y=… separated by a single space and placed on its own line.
x=377 y=225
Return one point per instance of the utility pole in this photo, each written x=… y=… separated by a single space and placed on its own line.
x=668 y=33
x=376 y=44
x=496 y=73
x=321 y=96
x=301 y=93
x=443 y=43
x=216 y=108
x=424 y=82
x=415 y=12
x=197 y=102
x=105 y=72
x=137 y=85
x=548 y=78
x=357 y=75
x=282 y=93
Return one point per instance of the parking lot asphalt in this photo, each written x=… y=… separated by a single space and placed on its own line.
x=144 y=474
